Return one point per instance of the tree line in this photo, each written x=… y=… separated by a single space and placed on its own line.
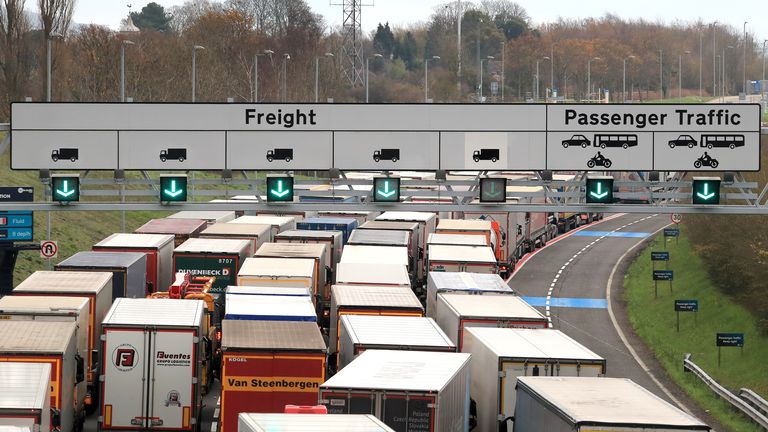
x=497 y=34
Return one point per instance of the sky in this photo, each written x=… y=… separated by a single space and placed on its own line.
x=405 y=12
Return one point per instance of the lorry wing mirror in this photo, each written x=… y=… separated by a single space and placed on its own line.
x=328 y=274
x=55 y=418
x=80 y=366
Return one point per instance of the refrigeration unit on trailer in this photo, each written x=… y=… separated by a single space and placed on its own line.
x=463 y=283
x=181 y=229
x=129 y=270
x=310 y=422
x=256 y=235
x=332 y=238
x=369 y=300
x=315 y=251
x=345 y=225
x=581 y=404
x=455 y=313
x=358 y=333
x=153 y=351
x=268 y=365
x=211 y=217
x=278 y=223
x=407 y=390
x=279 y=272
x=412 y=228
x=372 y=274
x=25 y=399
x=362 y=216
x=97 y=288
x=55 y=344
x=219 y=258
x=269 y=308
x=472 y=259
x=427 y=224
x=159 y=250
x=501 y=355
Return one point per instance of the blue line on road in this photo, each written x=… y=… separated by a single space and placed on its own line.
x=580 y=303
x=612 y=234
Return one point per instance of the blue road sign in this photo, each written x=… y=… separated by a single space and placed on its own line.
x=16 y=226
x=686 y=305
x=671 y=232
x=663 y=275
x=17 y=194
x=730 y=339
x=659 y=256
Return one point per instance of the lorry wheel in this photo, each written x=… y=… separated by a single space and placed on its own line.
x=288 y=159
x=55 y=158
x=493 y=159
x=163 y=159
x=476 y=159
x=73 y=159
x=394 y=159
x=181 y=159
x=375 y=158
x=269 y=159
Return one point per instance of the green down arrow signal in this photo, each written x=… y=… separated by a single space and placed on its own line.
x=707 y=194
x=386 y=193
x=67 y=192
x=493 y=192
x=280 y=192
x=599 y=194
x=173 y=193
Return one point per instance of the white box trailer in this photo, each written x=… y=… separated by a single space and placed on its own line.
x=463 y=283
x=581 y=404
x=457 y=312
x=412 y=228
x=287 y=272
x=212 y=216
x=501 y=355
x=269 y=291
x=407 y=390
x=25 y=400
x=438 y=238
x=310 y=422
x=55 y=344
x=278 y=223
x=380 y=238
x=356 y=254
x=152 y=379
x=372 y=274
x=316 y=251
x=427 y=224
x=362 y=216
x=358 y=333
x=256 y=235
x=269 y=308
x=477 y=227
x=472 y=259
x=332 y=238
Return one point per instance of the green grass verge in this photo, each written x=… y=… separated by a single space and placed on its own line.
x=654 y=321
x=682 y=100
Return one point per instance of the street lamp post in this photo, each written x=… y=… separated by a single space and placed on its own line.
x=724 y=78
x=367 y=74
x=481 y=75
x=680 y=74
x=426 y=77
x=552 y=70
x=122 y=68
x=317 y=73
x=661 y=73
x=762 y=83
x=194 y=69
x=286 y=57
x=701 y=53
x=719 y=69
x=589 y=76
x=458 y=49
x=538 y=80
x=256 y=56
x=714 y=60
x=51 y=37
x=624 y=79
x=744 y=68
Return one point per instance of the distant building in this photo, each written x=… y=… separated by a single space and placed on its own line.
x=127 y=26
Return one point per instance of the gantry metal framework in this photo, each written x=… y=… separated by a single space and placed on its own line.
x=352 y=40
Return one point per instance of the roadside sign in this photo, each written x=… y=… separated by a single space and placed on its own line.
x=671 y=232
x=16 y=226
x=599 y=190
x=493 y=190
x=173 y=188
x=730 y=339
x=279 y=188
x=663 y=275
x=686 y=305
x=706 y=190
x=676 y=218
x=49 y=249
x=386 y=189
x=65 y=187
x=17 y=194
x=659 y=256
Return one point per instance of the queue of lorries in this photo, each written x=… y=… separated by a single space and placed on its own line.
x=394 y=321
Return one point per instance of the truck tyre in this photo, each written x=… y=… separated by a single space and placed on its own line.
x=181 y=159
x=288 y=159
x=494 y=159
x=73 y=159
x=55 y=158
x=269 y=159
x=395 y=159
x=163 y=158
x=476 y=159
x=376 y=158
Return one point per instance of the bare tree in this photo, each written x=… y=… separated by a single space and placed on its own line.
x=13 y=27
x=56 y=16
x=505 y=9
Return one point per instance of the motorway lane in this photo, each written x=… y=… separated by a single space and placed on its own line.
x=590 y=261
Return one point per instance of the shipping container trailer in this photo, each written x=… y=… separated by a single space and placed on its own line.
x=220 y=258
x=211 y=216
x=278 y=223
x=362 y=216
x=582 y=404
x=53 y=343
x=256 y=235
x=267 y=365
x=269 y=308
x=501 y=355
x=372 y=274
x=159 y=250
x=407 y=390
x=316 y=251
x=310 y=422
x=332 y=238
x=274 y=272
x=463 y=283
x=156 y=350
x=427 y=224
x=181 y=229
x=345 y=225
x=457 y=312
x=369 y=300
x=410 y=227
x=55 y=309
x=455 y=240
x=269 y=291
x=471 y=259
x=25 y=398
x=96 y=287
x=129 y=270
x=358 y=333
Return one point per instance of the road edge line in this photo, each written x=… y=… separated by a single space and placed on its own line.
x=621 y=334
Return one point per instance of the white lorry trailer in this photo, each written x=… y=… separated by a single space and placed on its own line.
x=25 y=401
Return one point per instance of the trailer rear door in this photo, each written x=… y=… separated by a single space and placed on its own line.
x=172 y=378
x=124 y=368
